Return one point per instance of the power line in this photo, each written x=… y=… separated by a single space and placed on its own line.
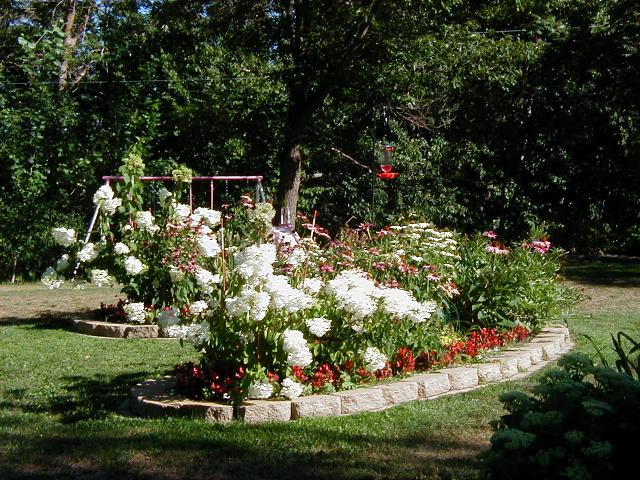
x=149 y=81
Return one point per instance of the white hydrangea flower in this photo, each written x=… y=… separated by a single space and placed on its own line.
x=133 y=266
x=51 y=279
x=283 y=295
x=135 y=312
x=63 y=263
x=207 y=246
x=294 y=344
x=374 y=359
x=210 y=217
x=120 y=248
x=87 y=253
x=297 y=257
x=250 y=301
x=110 y=206
x=198 y=307
x=312 y=285
x=146 y=222
x=401 y=304
x=319 y=326
x=168 y=317
x=256 y=261
x=195 y=333
x=206 y=280
x=182 y=211
x=291 y=389
x=64 y=236
x=260 y=390
x=100 y=277
x=102 y=194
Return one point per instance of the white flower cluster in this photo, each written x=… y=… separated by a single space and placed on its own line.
x=105 y=199
x=297 y=257
x=401 y=304
x=133 y=266
x=255 y=261
x=260 y=390
x=208 y=216
x=284 y=296
x=355 y=293
x=64 y=236
x=164 y=194
x=199 y=307
x=181 y=211
x=135 y=312
x=100 y=277
x=319 y=326
x=195 y=333
x=51 y=279
x=207 y=246
x=177 y=275
x=205 y=279
x=262 y=214
x=374 y=359
x=296 y=347
x=291 y=389
x=87 y=253
x=312 y=285
x=146 y=222
x=121 y=249
x=251 y=301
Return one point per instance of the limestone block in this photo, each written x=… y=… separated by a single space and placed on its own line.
x=210 y=411
x=549 y=349
x=523 y=359
x=508 y=366
x=400 y=392
x=141 y=331
x=535 y=352
x=316 y=406
x=431 y=384
x=548 y=337
x=361 y=400
x=462 y=377
x=562 y=331
x=489 y=372
x=258 y=411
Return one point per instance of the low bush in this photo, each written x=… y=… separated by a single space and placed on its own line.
x=581 y=422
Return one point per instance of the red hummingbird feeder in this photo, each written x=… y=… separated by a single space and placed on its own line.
x=386 y=164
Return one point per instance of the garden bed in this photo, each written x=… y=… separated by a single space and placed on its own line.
x=156 y=398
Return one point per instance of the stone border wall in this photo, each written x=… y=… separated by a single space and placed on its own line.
x=154 y=398
x=114 y=330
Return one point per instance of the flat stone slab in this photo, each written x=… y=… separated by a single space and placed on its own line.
x=155 y=398
x=115 y=330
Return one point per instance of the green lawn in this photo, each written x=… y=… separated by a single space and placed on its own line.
x=60 y=393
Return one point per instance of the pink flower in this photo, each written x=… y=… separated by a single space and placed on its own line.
x=326 y=268
x=497 y=248
x=490 y=234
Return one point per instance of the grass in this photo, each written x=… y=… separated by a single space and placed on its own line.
x=60 y=393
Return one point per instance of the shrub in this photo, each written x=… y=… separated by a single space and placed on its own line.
x=503 y=286
x=581 y=422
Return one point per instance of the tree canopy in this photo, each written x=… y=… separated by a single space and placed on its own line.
x=503 y=114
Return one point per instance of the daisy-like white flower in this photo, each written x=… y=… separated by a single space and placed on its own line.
x=210 y=217
x=207 y=246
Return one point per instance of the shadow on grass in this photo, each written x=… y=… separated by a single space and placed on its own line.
x=275 y=451
x=618 y=273
x=51 y=320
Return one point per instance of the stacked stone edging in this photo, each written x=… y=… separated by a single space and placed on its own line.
x=153 y=398
x=115 y=330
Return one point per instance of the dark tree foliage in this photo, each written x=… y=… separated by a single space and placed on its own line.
x=504 y=114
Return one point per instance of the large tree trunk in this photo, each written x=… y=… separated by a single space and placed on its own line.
x=289 y=186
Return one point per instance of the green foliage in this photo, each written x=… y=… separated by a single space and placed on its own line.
x=577 y=424
x=501 y=286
